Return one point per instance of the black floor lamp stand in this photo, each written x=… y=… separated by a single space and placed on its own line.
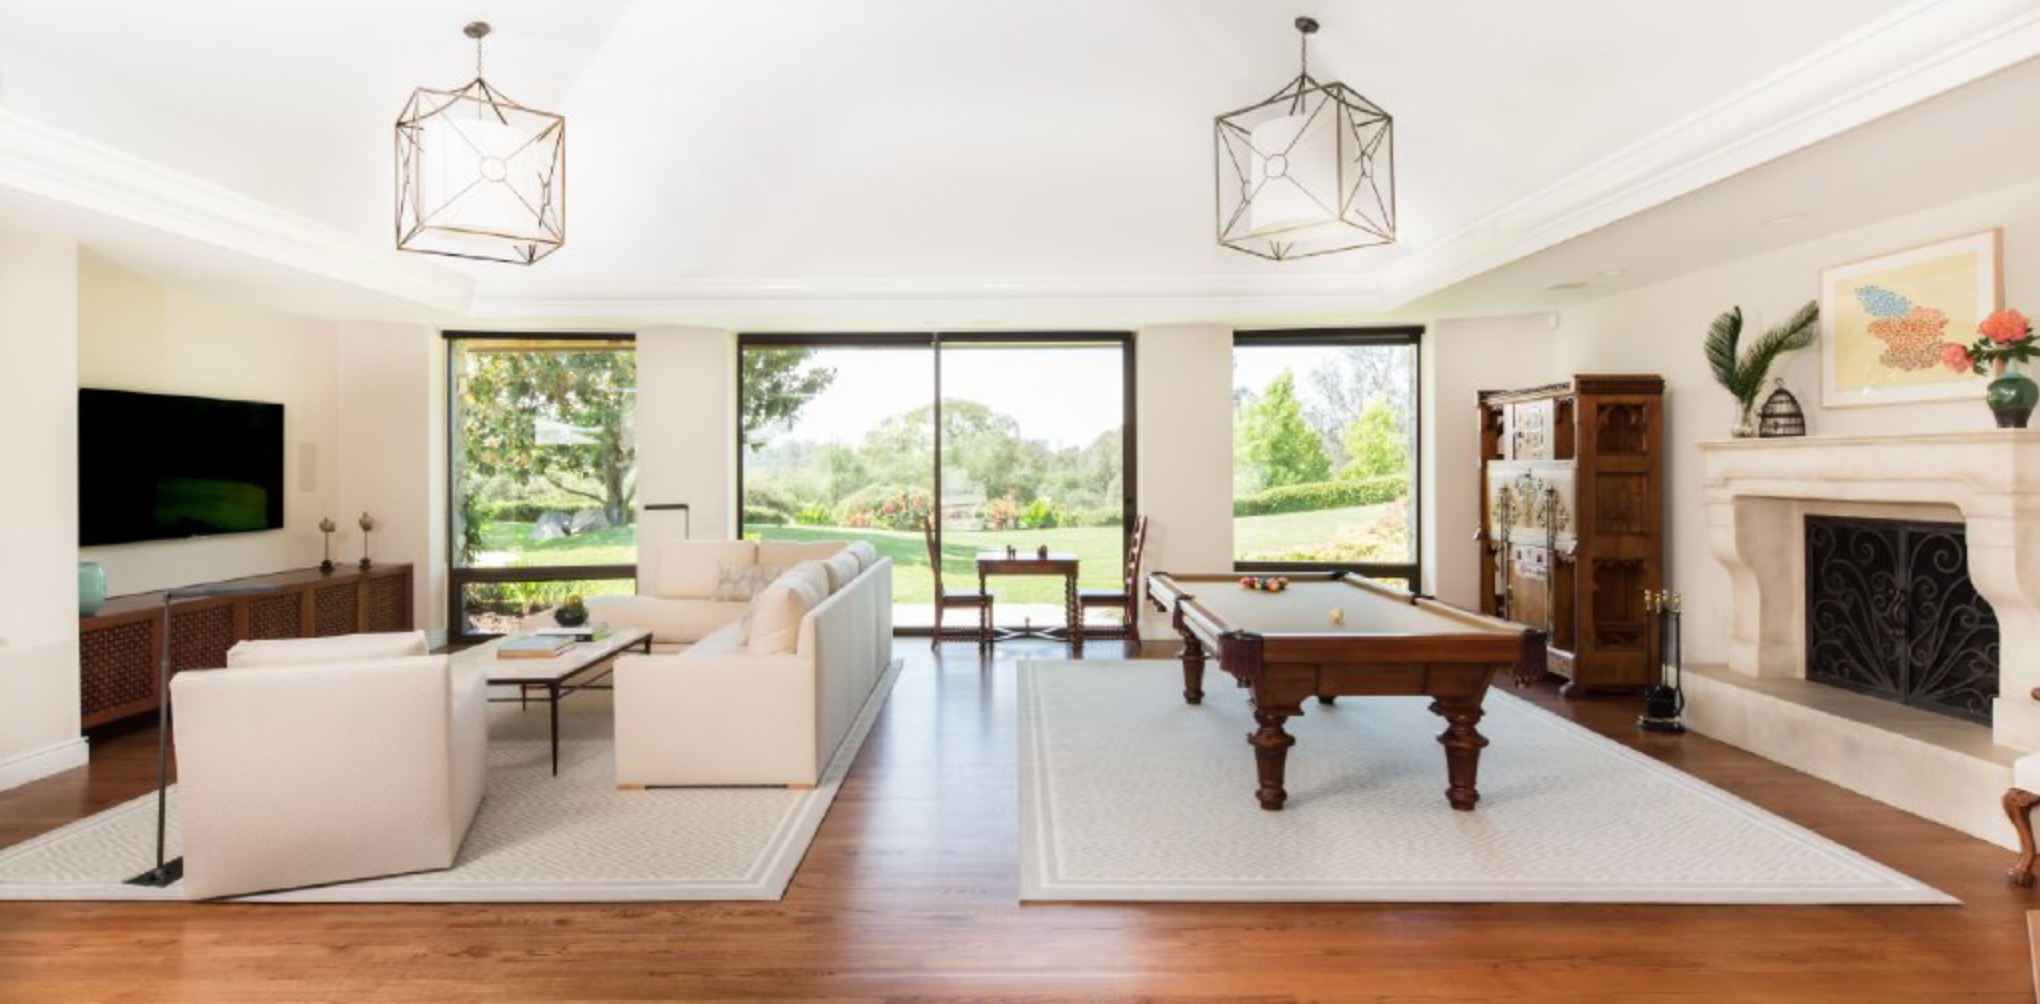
x=167 y=873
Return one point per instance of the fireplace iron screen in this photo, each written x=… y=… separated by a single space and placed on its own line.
x=1890 y=612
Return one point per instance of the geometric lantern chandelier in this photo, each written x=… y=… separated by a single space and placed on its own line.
x=479 y=175
x=1307 y=172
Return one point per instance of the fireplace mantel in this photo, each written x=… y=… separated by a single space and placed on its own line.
x=1758 y=492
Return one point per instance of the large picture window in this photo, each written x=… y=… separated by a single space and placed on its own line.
x=1002 y=439
x=542 y=464
x=1325 y=452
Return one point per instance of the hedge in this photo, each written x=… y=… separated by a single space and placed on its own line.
x=1322 y=495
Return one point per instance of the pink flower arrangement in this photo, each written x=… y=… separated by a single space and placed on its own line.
x=2007 y=336
x=2006 y=326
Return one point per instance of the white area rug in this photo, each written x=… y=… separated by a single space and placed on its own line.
x=1127 y=793
x=538 y=838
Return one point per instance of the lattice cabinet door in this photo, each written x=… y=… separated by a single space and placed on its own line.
x=121 y=656
x=336 y=609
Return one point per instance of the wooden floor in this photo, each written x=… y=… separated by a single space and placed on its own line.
x=910 y=893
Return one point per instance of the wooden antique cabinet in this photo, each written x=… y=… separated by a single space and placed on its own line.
x=1572 y=515
x=120 y=648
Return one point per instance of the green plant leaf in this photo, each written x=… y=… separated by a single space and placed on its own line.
x=1722 y=336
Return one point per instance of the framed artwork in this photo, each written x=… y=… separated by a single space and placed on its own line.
x=1883 y=321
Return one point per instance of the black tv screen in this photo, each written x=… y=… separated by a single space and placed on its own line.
x=159 y=466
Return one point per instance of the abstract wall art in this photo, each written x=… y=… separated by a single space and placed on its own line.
x=1884 y=320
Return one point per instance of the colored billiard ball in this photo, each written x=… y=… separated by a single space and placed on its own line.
x=1338 y=616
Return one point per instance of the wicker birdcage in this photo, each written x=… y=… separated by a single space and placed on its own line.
x=1780 y=416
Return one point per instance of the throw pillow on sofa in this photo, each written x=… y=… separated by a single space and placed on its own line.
x=772 y=627
x=867 y=555
x=740 y=583
x=842 y=567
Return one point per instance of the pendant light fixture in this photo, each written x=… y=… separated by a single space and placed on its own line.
x=479 y=175
x=1309 y=171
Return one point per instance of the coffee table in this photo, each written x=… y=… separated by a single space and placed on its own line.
x=582 y=666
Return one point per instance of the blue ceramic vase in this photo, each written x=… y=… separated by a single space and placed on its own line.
x=91 y=588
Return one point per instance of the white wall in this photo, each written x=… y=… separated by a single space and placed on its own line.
x=1462 y=357
x=391 y=420
x=38 y=508
x=686 y=435
x=1183 y=417
x=1658 y=329
x=136 y=334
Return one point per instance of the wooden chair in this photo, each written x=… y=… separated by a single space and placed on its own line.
x=1125 y=599
x=960 y=598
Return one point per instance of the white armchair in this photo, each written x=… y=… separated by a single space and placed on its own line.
x=371 y=760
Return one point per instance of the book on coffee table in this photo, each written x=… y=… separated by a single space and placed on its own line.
x=584 y=632
x=537 y=646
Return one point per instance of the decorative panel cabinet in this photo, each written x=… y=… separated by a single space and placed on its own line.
x=120 y=649
x=1572 y=515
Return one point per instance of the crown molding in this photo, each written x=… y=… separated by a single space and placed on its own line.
x=1908 y=56
x=1912 y=54
x=40 y=160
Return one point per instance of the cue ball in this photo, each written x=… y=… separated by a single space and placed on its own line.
x=1338 y=616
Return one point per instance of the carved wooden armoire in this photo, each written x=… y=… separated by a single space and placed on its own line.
x=1572 y=518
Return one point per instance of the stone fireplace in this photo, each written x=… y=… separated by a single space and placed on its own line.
x=1884 y=613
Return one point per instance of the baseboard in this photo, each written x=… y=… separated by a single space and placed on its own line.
x=39 y=764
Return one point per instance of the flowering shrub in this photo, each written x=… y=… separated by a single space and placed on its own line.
x=886 y=507
x=1002 y=513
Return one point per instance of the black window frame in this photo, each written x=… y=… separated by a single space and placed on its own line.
x=457 y=577
x=1412 y=336
x=933 y=342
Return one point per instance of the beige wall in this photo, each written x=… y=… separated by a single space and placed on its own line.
x=1658 y=329
x=1462 y=357
x=391 y=455
x=686 y=435
x=1183 y=414
x=38 y=508
x=136 y=334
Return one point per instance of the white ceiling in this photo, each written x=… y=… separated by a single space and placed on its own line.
x=972 y=161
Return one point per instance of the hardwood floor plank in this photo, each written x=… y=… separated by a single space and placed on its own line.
x=910 y=893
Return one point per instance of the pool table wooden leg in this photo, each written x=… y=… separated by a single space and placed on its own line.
x=1462 y=744
x=1193 y=668
x=1271 y=752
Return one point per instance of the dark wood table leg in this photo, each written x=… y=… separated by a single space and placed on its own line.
x=1073 y=613
x=1463 y=743
x=1271 y=752
x=553 y=705
x=1193 y=668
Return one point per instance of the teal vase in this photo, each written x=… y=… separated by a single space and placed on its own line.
x=91 y=588
x=2011 y=398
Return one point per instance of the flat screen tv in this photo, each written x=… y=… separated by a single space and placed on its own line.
x=161 y=467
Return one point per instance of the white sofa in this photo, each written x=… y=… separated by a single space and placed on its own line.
x=326 y=760
x=763 y=701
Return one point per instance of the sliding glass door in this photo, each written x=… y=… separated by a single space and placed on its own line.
x=840 y=440
x=1034 y=454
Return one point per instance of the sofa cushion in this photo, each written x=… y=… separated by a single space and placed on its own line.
x=842 y=567
x=690 y=569
x=340 y=648
x=867 y=555
x=671 y=622
x=773 y=625
x=739 y=583
x=787 y=553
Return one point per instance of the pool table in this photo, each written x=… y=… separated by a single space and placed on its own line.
x=1330 y=635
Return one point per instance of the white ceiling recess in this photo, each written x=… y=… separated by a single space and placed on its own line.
x=958 y=162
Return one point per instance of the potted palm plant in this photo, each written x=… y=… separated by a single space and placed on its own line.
x=1743 y=371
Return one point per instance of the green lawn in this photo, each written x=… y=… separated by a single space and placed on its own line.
x=1098 y=550
x=614 y=546
x=1349 y=531
x=1357 y=533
